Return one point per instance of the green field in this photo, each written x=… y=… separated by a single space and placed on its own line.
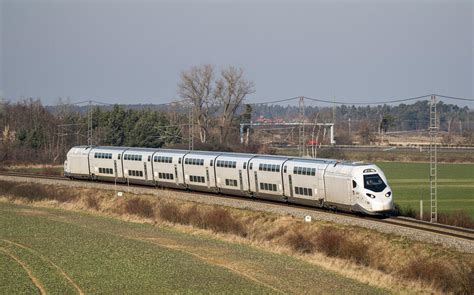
x=64 y=252
x=410 y=183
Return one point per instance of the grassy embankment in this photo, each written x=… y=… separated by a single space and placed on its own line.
x=103 y=254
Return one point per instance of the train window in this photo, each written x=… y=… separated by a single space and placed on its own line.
x=179 y=160
x=231 y=182
x=284 y=169
x=259 y=167
x=202 y=162
x=149 y=158
x=354 y=184
x=245 y=165
x=251 y=166
x=212 y=162
x=118 y=156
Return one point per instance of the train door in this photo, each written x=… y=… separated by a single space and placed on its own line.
x=207 y=178
x=241 y=181
x=256 y=181
x=321 y=191
x=176 y=173
x=290 y=185
x=145 y=171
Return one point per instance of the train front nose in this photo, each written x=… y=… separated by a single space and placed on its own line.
x=383 y=201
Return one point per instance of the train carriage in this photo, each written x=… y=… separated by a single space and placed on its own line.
x=231 y=173
x=199 y=173
x=265 y=177
x=137 y=165
x=77 y=163
x=168 y=168
x=105 y=163
x=304 y=181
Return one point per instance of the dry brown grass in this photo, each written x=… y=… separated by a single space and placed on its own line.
x=215 y=219
x=33 y=192
x=337 y=248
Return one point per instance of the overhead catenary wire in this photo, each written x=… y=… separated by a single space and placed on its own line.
x=390 y=101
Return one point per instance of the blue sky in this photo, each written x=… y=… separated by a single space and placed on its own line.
x=133 y=51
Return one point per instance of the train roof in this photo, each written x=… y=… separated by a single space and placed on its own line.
x=230 y=154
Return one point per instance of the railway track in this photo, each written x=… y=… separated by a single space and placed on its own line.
x=435 y=228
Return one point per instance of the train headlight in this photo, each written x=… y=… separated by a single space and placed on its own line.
x=388 y=194
x=370 y=196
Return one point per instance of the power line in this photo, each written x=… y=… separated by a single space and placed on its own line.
x=367 y=103
x=274 y=101
x=456 y=98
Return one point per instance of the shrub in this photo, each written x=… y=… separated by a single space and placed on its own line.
x=335 y=244
x=442 y=274
x=140 y=207
x=92 y=202
x=456 y=218
x=193 y=216
x=407 y=212
x=170 y=212
x=220 y=220
x=300 y=242
x=328 y=241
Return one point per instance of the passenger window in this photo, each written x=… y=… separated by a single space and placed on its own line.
x=245 y=165
x=250 y=166
x=149 y=158
x=179 y=160
x=284 y=169
x=354 y=184
x=212 y=162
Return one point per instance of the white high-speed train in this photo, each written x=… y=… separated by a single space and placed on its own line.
x=343 y=185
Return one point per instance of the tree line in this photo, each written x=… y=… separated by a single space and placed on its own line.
x=213 y=100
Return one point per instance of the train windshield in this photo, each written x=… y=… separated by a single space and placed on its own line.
x=374 y=183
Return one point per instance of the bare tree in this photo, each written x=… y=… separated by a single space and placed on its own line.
x=197 y=85
x=231 y=90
